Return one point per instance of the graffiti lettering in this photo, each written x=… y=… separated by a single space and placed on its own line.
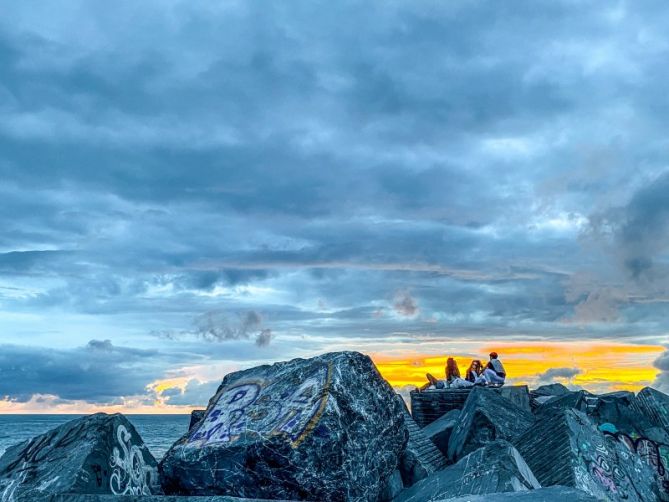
x=656 y=455
x=130 y=475
x=290 y=407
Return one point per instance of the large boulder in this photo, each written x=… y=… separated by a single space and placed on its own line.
x=486 y=416
x=439 y=431
x=326 y=428
x=96 y=454
x=421 y=457
x=566 y=448
x=495 y=468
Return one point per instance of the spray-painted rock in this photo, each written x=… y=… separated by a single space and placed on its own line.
x=95 y=454
x=495 y=468
x=566 y=448
x=326 y=428
x=486 y=416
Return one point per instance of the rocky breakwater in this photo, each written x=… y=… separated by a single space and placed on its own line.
x=97 y=454
x=326 y=428
x=331 y=429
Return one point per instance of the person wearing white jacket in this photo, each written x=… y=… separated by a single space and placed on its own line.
x=494 y=373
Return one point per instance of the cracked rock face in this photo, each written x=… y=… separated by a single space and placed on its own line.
x=485 y=417
x=566 y=448
x=326 y=428
x=495 y=468
x=96 y=454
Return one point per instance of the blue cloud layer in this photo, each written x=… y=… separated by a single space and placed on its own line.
x=347 y=172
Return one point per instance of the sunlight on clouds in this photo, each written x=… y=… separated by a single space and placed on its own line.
x=604 y=366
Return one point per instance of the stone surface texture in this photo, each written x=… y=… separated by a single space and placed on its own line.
x=518 y=395
x=421 y=457
x=654 y=405
x=439 y=431
x=326 y=428
x=566 y=448
x=195 y=417
x=550 y=494
x=495 y=468
x=96 y=454
x=485 y=417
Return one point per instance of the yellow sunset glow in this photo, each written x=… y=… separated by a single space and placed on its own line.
x=602 y=365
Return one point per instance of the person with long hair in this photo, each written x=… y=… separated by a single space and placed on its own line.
x=453 y=378
x=474 y=372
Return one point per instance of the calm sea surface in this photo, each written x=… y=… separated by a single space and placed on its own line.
x=158 y=431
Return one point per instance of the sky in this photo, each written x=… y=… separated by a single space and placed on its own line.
x=192 y=188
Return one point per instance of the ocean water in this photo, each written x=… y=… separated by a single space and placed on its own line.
x=158 y=431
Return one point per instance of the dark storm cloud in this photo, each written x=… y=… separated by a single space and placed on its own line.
x=166 y=162
x=100 y=372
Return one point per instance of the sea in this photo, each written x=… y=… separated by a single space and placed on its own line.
x=158 y=431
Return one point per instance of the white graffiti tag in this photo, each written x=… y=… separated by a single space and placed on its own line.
x=130 y=475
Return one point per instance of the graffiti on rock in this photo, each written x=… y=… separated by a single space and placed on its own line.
x=290 y=406
x=130 y=475
x=656 y=455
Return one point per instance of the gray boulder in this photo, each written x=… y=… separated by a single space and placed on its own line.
x=96 y=454
x=439 y=431
x=486 y=416
x=553 y=389
x=566 y=448
x=654 y=405
x=550 y=494
x=421 y=457
x=326 y=428
x=518 y=395
x=495 y=468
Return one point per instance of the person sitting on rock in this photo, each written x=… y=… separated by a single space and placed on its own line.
x=494 y=373
x=474 y=373
x=452 y=373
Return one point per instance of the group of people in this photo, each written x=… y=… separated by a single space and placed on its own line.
x=492 y=375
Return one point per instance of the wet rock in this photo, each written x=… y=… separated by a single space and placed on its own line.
x=566 y=448
x=421 y=457
x=495 y=468
x=486 y=416
x=195 y=417
x=550 y=494
x=654 y=405
x=439 y=431
x=96 y=454
x=326 y=428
